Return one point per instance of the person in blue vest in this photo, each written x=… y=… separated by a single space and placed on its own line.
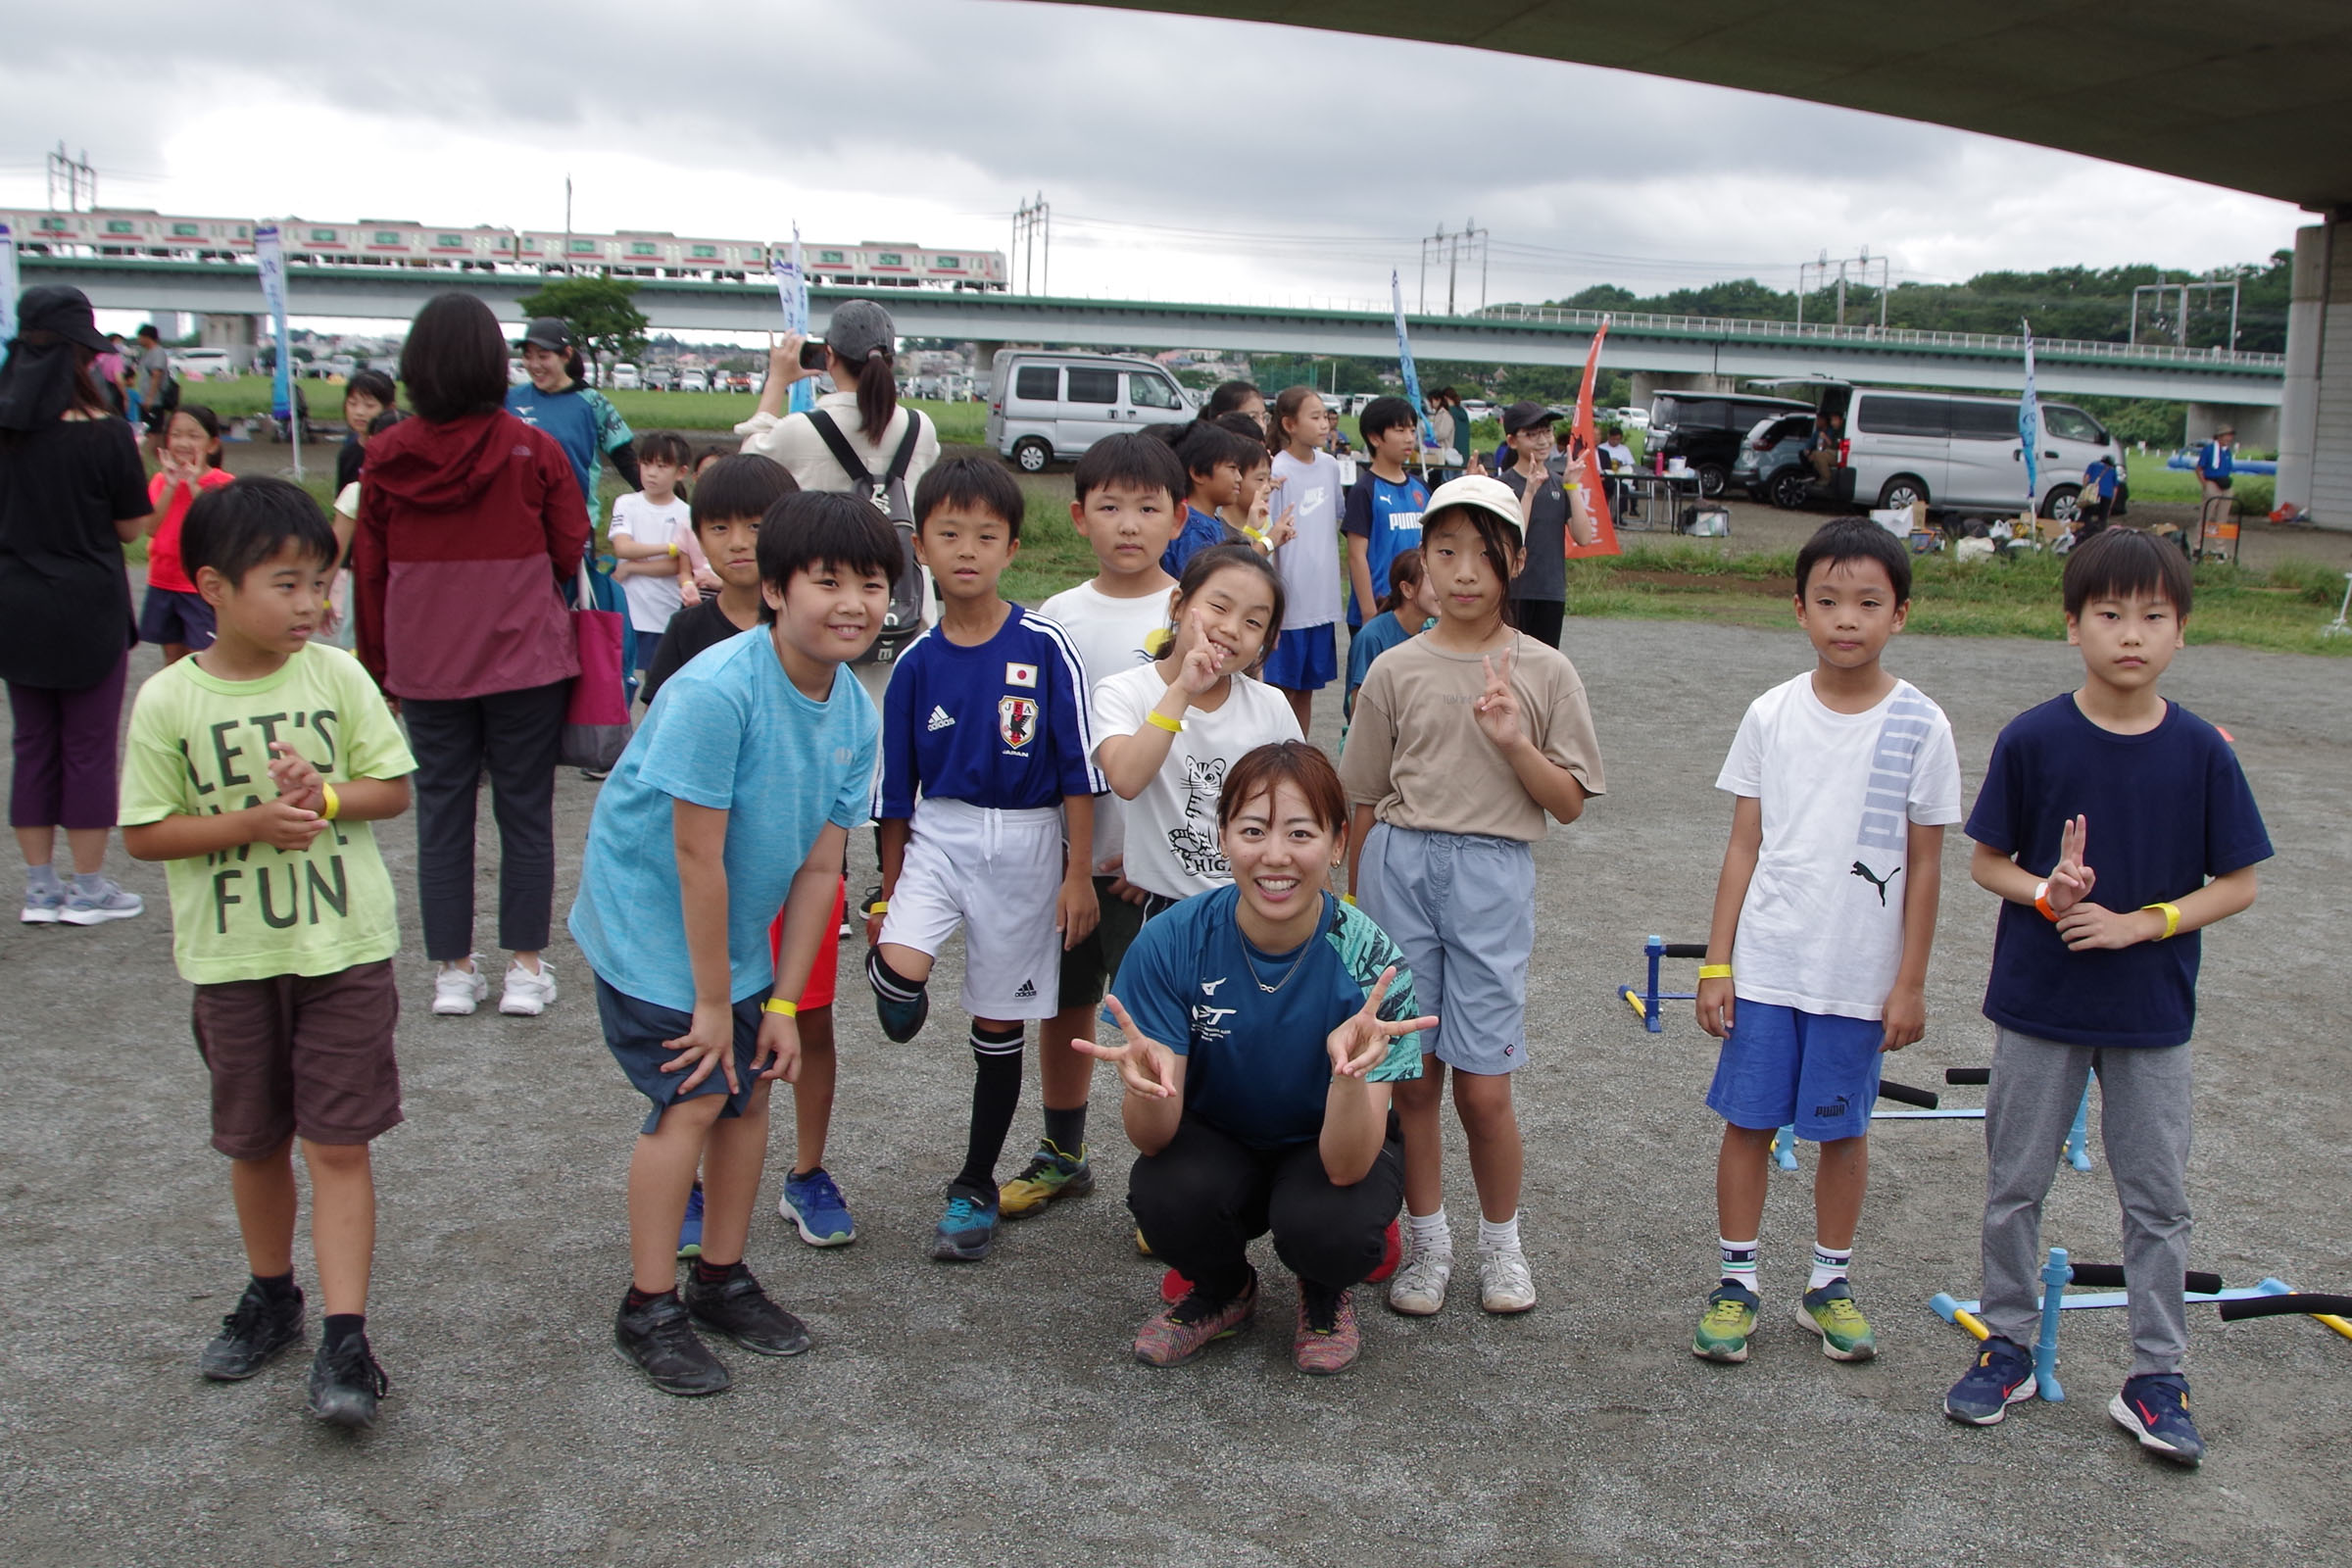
x=2214 y=465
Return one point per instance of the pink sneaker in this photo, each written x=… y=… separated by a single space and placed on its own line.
x=1328 y=1339
x=1188 y=1328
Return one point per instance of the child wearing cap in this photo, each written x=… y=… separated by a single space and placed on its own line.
x=582 y=419
x=1550 y=517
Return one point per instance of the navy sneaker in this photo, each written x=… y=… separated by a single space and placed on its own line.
x=967 y=1230
x=813 y=1203
x=2003 y=1376
x=690 y=1230
x=903 y=1020
x=2154 y=1408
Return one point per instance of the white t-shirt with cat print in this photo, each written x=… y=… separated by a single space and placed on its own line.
x=1172 y=825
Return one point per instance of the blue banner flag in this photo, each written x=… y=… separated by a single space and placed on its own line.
x=2029 y=428
x=1412 y=378
x=8 y=288
x=269 y=260
x=792 y=288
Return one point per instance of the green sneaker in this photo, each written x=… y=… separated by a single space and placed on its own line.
x=1830 y=1313
x=1051 y=1174
x=1731 y=1317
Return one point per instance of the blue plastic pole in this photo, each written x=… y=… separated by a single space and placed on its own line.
x=1656 y=948
x=2054 y=1275
x=2077 y=1140
x=1783 y=1147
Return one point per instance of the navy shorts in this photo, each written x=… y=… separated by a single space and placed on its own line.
x=649 y=647
x=1781 y=1067
x=170 y=616
x=1304 y=659
x=635 y=1031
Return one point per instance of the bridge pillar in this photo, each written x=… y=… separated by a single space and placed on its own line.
x=236 y=333
x=2315 y=415
x=984 y=358
x=2256 y=426
x=1647 y=382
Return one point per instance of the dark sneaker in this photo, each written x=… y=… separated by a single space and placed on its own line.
x=346 y=1383
x=967 y=1230
x=2154 y=1408
x=740 y=1310
x=903 y=1020
x=814 y=1206
x=251 y=1334
x=1051 y=1174
x=658 y=1340
x=1326 y=1340
x=1192 y=1324
x=2003 y=1376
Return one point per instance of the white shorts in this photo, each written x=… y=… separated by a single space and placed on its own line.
x=999 y=875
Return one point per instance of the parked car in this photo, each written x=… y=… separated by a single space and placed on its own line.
x=661 y=378
x=517 y=375
x=1706 y=430
x=1771 y=466
x=693 y=381
x=739 y=380
x=624 y=378
x=200 y=365
x=1047 y=406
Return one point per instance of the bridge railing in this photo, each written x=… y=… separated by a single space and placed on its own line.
x=1891 y=336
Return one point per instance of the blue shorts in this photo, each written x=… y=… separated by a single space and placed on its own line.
x=647 y=648
x=1781 y=1067
x=1461 y=908
x=170 y=616
x=1304 y=659
x=634 y=1032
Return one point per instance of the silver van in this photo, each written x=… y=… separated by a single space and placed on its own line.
x=1046 y=406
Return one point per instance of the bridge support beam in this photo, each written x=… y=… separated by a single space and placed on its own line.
x=984 y=358
x=239 y=334
x=2315 y=414
x=1648 y=382
x=2255 y=427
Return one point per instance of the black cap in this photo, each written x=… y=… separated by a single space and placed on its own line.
x=547 y=332
x=56 y=308
x=859 y=329
x=1527 y=415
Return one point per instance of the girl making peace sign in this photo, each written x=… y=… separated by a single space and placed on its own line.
x=1264 y=1023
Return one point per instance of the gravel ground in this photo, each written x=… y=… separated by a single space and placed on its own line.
x=992 y=1414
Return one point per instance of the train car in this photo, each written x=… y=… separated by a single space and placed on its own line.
x=132 y=231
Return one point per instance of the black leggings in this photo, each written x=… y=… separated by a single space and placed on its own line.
x=1541 y=618
x=1203 y=1199
x=516 y=736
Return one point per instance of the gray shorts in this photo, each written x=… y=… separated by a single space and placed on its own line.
x=1462 y=908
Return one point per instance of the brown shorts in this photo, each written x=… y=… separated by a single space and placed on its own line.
x=301 y=1055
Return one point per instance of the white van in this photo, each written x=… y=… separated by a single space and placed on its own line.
x=202 y=365
x=624 y=378
x=1046 y=406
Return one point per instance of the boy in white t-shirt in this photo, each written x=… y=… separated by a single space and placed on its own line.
x=653 y=535
x=1129 y=506
x=1844 y=781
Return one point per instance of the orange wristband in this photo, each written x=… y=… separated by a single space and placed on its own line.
x=2041 y=900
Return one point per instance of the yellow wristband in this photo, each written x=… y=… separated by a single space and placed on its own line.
x=789 y=1009
x=878 y=907
x=1714 y=972
x=334 y=804
x=2172 y=917
x=1348 y=898
x=1159 y=721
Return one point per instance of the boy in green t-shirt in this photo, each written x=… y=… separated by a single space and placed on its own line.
x=253 y=769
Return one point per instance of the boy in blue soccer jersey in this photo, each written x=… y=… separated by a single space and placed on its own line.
x=2109 y=985
x=986 y=719
x=1381 y=516
x=735 y=795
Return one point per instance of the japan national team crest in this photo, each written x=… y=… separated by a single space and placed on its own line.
x=1017 y=720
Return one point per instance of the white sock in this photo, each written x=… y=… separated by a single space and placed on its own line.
x=1738 y=1260
x=1828 y=1265
x=1429 y=1232
x=1499 y=1238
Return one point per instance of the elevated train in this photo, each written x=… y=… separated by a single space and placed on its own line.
x=115 y=232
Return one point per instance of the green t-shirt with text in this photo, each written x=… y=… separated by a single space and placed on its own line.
x=200 y=746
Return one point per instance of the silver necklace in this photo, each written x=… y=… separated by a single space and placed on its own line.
x=1252 y=963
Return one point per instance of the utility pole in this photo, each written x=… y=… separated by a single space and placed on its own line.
x=566 y=226
x=1031 y=221
x=2180 y=323
x=75 y=178
x=1469 y=237
x=1816 y=273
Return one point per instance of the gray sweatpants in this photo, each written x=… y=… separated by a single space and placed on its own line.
x=2144 y=1124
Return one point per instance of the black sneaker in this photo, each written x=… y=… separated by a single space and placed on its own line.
x=346 y=1383
x=251 y=1334
x=740 y=1310
x=658 y=1340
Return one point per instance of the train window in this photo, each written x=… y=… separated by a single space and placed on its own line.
x=243 y=233
x=56 y=226
x=890 y=259
x=450 y=242
x=829 y=258
x=530 y=244
x=948 y=264
x=642 y=247
x=187 y=231
x=387 y=237
x=706 y=253
x=322 y=236
x=120 y=226
x=583 y=247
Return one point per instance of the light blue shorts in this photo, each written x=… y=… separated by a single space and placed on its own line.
x=1462 y=908
x=1780 y=1066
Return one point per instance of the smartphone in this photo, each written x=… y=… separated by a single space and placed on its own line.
x=812 y=354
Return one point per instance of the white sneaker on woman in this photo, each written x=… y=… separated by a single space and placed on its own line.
x=527 y=995
x=1418 y=1287
x=458 y=991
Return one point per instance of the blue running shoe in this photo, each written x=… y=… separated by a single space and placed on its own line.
x=2154 y=1408
x=2003 y=1376
x=967 y=1230
x=813 y=1203
x=903 y=1020
x=690 y=1233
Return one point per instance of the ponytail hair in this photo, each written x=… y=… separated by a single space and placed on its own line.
x=1205 y=565
x=1287 y=407
x=1203 y=444
x=1405 y=569
x=877 y=394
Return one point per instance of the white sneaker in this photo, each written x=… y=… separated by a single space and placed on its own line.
x=1418 y=1287
x=1503 y=1281
x=458 y=991
x=527 y=995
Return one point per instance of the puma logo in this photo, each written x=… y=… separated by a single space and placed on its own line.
x=1875 y=880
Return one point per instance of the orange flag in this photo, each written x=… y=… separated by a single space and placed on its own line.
x=1594 y=488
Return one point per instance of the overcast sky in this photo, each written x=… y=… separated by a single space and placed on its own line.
x=1274 y=164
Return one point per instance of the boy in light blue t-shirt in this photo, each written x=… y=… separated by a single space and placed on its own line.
x=734 y=797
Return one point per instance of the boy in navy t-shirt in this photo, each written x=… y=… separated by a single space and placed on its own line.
x=2114 y=825
x=986 y=721
x=1382 y=515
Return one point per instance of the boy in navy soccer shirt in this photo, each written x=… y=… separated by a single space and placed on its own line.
x=986 y=719
x=2114 y=825
x=1381 y=516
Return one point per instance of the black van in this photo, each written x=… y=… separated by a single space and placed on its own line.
x=1705 y=428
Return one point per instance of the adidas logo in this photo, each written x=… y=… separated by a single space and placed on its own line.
x=1027 y=993
x=941 y=718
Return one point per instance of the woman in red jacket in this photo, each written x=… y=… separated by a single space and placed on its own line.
x=469 y=521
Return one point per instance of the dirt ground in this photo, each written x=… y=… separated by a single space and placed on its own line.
x=993 y=1414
